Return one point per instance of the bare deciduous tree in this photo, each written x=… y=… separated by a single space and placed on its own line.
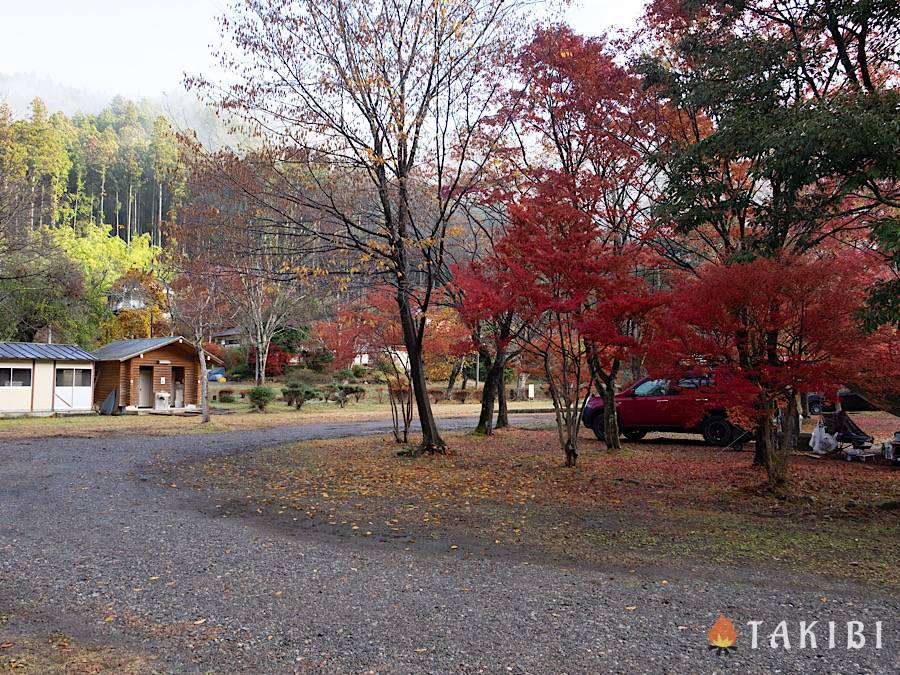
x=198 y=304
x=224 y=232
x=373 y=114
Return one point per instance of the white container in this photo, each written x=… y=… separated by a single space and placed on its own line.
x=162 y=400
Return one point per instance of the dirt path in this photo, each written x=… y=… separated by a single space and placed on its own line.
x=94 y=546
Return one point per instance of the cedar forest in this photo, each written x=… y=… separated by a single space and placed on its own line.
x=716 y=189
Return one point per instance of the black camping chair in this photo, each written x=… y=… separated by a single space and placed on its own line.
x=846 y=432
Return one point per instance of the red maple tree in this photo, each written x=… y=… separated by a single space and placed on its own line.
x=775 y=327
x=342 y=336
x=490 y=305
x=573 y=187
x=552 y=256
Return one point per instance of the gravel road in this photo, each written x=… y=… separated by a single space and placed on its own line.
x=94 y=546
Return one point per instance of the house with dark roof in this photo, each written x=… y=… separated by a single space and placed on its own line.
x=149 y=374
x=230 y=337
x=45 y=379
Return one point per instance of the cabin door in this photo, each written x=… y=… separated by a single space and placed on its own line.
x=74 y=389
x=145 y=387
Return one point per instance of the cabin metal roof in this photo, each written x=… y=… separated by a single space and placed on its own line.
x=47 y=352
x=122 y=350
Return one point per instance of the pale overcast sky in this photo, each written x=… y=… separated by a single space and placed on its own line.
x=142 y=47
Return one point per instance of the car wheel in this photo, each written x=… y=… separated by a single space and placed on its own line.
x=815 y=407
x=598 y=426
x=633 y=434
x=717 y=431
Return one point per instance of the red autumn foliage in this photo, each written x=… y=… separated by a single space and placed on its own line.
x=276 y=360
x=368 y=326
x=578 y=292
x=342 y=336
x=787 y=323
x=775 y=327
x=575 y=186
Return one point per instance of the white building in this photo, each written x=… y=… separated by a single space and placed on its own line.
x=397 y=354
x=45 y=379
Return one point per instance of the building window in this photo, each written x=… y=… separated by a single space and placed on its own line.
x=15 y=377
x=73 y=377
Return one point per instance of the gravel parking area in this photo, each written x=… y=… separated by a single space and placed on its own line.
x=96 y=546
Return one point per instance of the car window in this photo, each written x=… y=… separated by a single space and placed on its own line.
x=651 y=388
x=694 y=381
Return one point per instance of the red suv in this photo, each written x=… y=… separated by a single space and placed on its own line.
x=685 y=405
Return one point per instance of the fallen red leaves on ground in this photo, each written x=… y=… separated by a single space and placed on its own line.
x=658 y=502
x=521 y=467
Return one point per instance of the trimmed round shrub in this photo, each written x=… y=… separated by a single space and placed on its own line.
x=349 y=390
x=261 y=397
x=226 y=395
x=298 y=393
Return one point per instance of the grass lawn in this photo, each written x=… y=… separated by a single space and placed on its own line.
x=659 y=502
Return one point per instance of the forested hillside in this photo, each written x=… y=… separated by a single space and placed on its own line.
x=83 y=202
x=119 y=167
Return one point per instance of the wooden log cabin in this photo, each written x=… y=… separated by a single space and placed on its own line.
x=149 y=374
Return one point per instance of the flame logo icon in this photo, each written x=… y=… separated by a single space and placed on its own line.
x=722 y=635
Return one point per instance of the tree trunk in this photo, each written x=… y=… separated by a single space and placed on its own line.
x=102 y=194
x=489 y=393
x=431 y=437
x=571 y=453
x=77 y=199
x=458 y=366
x=804 y=404
x=759 y=455
x=128 y=216
x=635 y=368
x=204 y=385
x=566 y=431
x=606 y=382
x=262 y=355
x=776 y=453
x=610 y=419
x=488 y=398
x=522 y=387
x=791 y=425
x=159 y=219
x=502 y=405
x=401 y=409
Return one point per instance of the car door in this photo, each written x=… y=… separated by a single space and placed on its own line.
x=645 y=407
x=686 y=402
